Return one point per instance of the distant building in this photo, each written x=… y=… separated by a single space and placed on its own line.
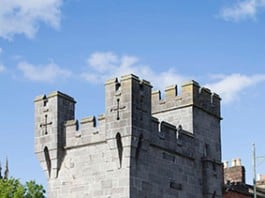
x=261 y=181
x=235 y=182
x=6 y=172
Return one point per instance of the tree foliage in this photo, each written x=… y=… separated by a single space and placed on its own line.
x=12 y=188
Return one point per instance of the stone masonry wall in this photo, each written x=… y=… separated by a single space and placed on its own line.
x=141 y=147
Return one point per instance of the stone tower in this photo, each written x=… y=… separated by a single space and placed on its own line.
x=141 y=147
x=51 y=112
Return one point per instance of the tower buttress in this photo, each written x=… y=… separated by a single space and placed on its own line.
x=51 y=112
x=128 y=113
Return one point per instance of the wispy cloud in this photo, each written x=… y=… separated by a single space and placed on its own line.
x=104 y=65
x=242 y=10
x=43 y=73
x=230 y=86
x=24 y=17
x=2 y=68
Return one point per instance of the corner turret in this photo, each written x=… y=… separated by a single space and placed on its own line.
x=51 y=112
x=128 y=112
x=197 y=111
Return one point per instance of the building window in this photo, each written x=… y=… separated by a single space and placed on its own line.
x=119 y=147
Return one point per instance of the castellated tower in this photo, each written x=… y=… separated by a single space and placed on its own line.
x=51 y=112
x=141 y=147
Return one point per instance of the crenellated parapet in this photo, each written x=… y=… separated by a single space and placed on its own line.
x=172 y=139
x=192 y=94
x=87 y=131
x=51 y=112
x=129 y=102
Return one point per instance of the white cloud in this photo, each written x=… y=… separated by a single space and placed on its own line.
x=105 y=65
x=2 y=68
x=230 y=86
x=23 y=17
x=242 y=10
x=43 y=73
x=101 y=62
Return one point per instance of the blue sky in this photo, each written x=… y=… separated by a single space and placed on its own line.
x=75 y=45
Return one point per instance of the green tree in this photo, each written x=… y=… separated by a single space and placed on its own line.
x=12 y=188
x=34 y=190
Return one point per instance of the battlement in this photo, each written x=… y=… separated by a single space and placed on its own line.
x=172 y=139
x=45 y=98
x=192 y=94
x=117 y=83
x=130 y=100
x=88 y=131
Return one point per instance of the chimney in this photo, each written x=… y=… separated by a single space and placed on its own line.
x=238 y=162
x=261 y=181
x=226 y=164
x=235 y=173
x=233 y=162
